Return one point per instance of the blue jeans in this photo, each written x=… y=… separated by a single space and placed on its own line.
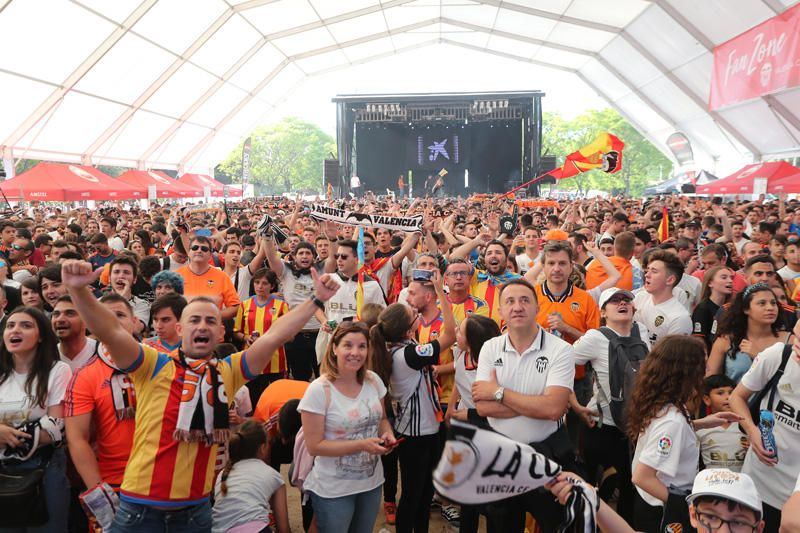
x=355 y=513
x=56 y=493
x=135 y=518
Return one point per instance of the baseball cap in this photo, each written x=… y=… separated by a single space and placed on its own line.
x=722 y=483
x=556 y=235
x=692 y=223
x=606 y=295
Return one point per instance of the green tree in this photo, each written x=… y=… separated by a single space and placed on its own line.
x=642 y=163
x=284 y=157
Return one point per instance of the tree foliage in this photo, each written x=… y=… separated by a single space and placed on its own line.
x=642 y=163
x=284 y=157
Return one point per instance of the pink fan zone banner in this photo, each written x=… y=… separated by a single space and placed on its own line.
x=763 y=60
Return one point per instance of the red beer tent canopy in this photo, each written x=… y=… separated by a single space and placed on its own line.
x=166 y=187
x=55 y=182
x=781 y=177
x=201 y=181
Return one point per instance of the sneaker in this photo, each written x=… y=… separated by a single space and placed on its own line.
x=452 y=513
x=390 y=510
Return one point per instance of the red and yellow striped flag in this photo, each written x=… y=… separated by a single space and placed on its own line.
x=663 y=227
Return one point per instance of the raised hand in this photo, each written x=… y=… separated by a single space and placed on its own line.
x=76 y=274
x=324 y=286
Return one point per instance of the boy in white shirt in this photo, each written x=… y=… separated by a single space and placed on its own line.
x=656 y=307
x=724 y=446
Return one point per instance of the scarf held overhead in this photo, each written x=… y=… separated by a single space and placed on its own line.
x=203 y=411
x=367 y=220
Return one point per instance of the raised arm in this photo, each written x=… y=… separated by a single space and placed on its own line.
x=448 y=336
x=613 y=274
x=409 y=243
x=273 y=259
x=77 y=276
x=282 y=331
x=261 y=253
x=465 y=249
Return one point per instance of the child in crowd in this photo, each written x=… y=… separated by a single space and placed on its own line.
x=724 y=446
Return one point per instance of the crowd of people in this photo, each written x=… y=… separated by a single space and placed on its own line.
x=160 y=367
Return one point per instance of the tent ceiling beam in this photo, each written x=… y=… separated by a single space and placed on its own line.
x=311 y=53
x=376 y=57
x=158 y=83
x=774 y=5
x=684 y=88
x=778 y=106
x=510 y=6
x=91 y=60
x=517 y=37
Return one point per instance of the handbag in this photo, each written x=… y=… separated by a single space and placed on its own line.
x=22 y=497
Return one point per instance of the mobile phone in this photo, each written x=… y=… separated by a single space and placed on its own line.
x=421 y=275
x=203 y=232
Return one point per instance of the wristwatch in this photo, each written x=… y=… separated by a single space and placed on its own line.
x=319 y=303
x=498 y=394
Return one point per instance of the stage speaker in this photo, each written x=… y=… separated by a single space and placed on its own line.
x=330 y=172
x=688 y=188
x=548 y=163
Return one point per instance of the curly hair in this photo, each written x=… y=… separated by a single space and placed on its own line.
x=671 y=375
x=734 y=321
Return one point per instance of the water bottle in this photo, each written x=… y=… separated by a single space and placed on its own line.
x=765 y=424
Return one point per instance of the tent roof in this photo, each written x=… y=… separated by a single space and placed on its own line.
x=742 y=181
x=55 y=182
x=131 y=88
x=200 y=181
x=166 y=187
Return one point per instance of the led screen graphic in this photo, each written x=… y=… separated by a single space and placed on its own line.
x=490 y=152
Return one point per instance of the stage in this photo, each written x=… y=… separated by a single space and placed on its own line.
x=476 y=142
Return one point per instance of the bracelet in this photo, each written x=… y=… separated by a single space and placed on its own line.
x=319 y=303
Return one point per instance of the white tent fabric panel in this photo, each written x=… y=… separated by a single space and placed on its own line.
x=178 y=83
x=126 y=70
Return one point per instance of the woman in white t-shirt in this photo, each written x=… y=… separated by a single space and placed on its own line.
x=32 y=386
x=248 y=489
x=669 y=387
x=470 y=336
x=346 y=430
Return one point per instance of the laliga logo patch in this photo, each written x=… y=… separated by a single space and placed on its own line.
x=462 y=459
x=659 y=320
x=575 y=306
x=82 y=174
x=541 y=363
x=611 y=161
x=664 y=445
x=424 y=350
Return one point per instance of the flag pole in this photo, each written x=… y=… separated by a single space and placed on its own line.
x=515 y=189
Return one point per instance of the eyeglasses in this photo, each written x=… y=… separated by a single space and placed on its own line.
x=714 y=522
x=458 y=274
x=341 y=256
x=200 y=247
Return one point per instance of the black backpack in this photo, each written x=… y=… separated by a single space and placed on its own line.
x=625 y=356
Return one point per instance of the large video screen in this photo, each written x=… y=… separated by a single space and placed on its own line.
x=489 y=152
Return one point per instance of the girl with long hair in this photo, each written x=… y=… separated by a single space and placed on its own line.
x=414 y=394
x=143 y=236
x=32 y=386
x=29 y=293
x=751 y=325
x=717 y=291
x=669 y=387
x=247 y=489
x=346 y=430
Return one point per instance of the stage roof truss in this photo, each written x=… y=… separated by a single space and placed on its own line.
x=669 y=41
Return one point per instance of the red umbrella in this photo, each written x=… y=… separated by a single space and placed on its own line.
x=201 y=181
x=53 y=182
x=742 y=181
x=166 y=187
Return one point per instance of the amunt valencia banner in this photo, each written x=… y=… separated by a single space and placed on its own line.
x=763 y=60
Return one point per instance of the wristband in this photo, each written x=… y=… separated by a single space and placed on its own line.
x=319 y=303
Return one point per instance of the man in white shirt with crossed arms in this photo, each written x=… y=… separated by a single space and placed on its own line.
x=523 y=384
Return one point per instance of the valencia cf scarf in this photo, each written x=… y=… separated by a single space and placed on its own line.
x=122 y=391
x=203 y=411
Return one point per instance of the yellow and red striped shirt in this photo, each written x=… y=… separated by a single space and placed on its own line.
x=252 y=317
x=428 y=333
x=472 y=305
x=162 y=471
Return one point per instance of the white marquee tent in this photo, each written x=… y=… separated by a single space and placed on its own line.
x=178 y=83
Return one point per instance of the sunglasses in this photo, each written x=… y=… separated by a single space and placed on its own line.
x=200 y=247
x=341 y=256
x=619 y=299
x=16 y=247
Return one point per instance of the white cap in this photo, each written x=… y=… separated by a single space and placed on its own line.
x=722 y=483
x=608 y=293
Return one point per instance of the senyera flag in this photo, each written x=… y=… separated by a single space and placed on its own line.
x=604 y=153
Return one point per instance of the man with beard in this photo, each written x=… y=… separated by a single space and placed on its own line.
x=485 y=284
x=74 y=347
x=181 y=403
x=297 y=285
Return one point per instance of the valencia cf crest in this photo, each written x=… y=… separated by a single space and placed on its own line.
x=434 y=335
x=541 y=363
x=575 y=306
x=209 y=283
x=659 y=320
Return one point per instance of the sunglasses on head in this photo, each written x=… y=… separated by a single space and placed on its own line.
x=200 y=247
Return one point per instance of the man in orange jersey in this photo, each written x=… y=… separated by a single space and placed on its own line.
x=99 y=409
x=182 y=403
x=202 y=279
x=624 y=244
